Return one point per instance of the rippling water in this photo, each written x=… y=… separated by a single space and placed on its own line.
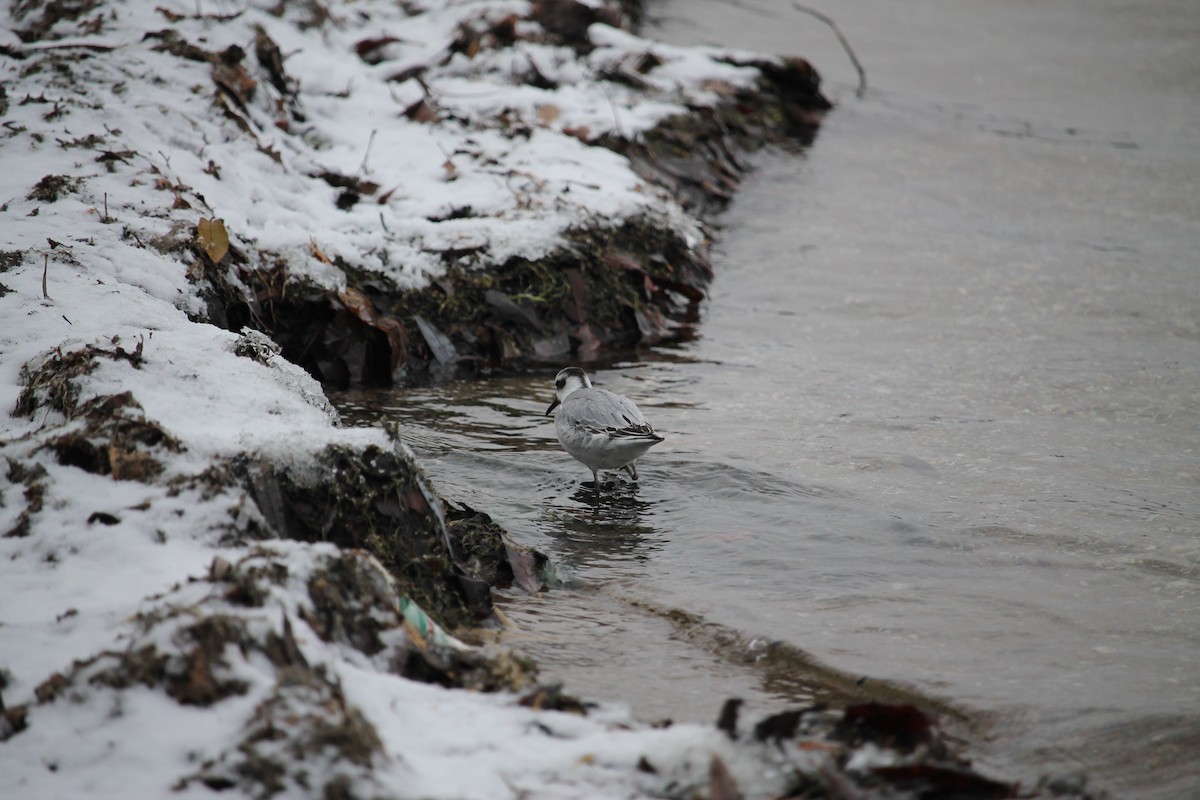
x=941 y=426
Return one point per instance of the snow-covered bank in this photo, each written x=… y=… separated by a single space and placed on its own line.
x=206 y=584
x=415 y=179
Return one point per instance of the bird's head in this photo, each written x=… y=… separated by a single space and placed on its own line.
x=566 y=381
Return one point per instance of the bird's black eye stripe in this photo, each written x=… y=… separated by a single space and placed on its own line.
x=560 y=383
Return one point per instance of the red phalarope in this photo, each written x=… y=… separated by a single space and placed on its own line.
x=603 y=430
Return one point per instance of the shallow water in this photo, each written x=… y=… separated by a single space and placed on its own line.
x=941 y=425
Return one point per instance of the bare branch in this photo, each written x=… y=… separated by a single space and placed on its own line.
x=862 y=73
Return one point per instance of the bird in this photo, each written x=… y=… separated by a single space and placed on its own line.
x=602 y=429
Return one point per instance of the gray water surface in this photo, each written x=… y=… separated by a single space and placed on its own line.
x=941 y=426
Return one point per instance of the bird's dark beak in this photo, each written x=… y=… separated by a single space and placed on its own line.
x=553 y=406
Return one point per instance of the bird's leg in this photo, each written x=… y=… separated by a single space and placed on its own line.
x=595 y=480
x=632 y=470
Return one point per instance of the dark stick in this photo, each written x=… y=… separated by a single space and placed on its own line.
x=862 y=73
x=45 y=269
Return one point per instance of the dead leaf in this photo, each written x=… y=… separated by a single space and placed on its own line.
x=270 y=57
x=317 y=254
x=504 y=32
x=50 y=688
x=229 y=74
x=421 y=111
x=721 y=785
x=718 y=87
x=219 y=569
x=580 y=132
x=132 y=465
x=450 y=169
x=369 y=50
x=361 y=307
x=548 y=113
x=213 y=238
x=467 y=42
x=648 y=61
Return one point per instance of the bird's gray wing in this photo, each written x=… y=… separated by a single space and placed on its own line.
x=605 y=412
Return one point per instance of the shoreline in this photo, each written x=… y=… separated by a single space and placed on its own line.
x=210 y=584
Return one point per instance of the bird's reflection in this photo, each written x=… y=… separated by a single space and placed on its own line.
x=606 y=527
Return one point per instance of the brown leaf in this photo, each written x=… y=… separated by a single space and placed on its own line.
x=648 y=61
x=580 y=132
x=169 y=14
x=270 y=57
x=718 y=87
x=13 y=720
x=317 y=254
x=721 y=785
x=548 y=113
x=366 y=48
x=421 y=111
x=361 y=307
x=127 y=464
x=552 y=698
x=229 y=74
x=219 y=569
x=50 y=688
x=504 y=32
x=213 y=238
x=467 y=42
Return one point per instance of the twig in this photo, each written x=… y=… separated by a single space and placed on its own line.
x=862 y=73
x=362 y=168
x=45 y=269
x=612 y=105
